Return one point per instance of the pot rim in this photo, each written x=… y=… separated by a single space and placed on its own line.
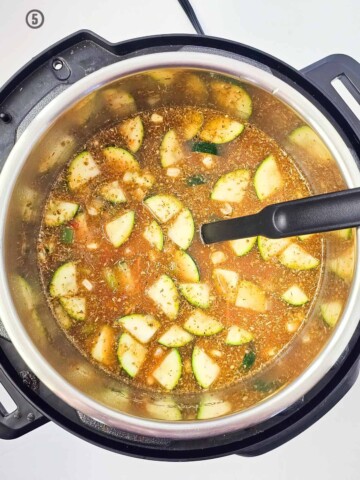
x=249 y=71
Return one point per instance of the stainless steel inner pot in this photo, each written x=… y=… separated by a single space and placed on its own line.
x=40 y=152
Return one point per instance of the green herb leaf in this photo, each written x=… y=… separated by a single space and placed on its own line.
x=205 y=147
x=195 y=180
x=249 y=359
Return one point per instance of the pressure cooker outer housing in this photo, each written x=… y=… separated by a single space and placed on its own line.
x=220 y=61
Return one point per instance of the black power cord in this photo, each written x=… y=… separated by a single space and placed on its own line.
x=188 y=9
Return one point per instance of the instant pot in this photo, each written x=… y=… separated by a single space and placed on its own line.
x=30 y=104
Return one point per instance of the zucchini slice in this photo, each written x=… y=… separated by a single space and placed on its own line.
x=175 y=337
x=205 y=369
x=182 y=230
x=163 y=76
x=191 y=124
x=251 y=296
x=110 y=278
x=242 y=246
x=185 y=267
x=119 y=101
x=63 y=282
x=269 y=247
x=205 y=147
x=103 y=349
x=343 y=266
x=212 y=407
x=163 y=207
x=119 y=230
x=113 y=193
x=197 y=294
x=194 y=88
x=146 y=180
x=75 y=307
x=296 y=258
x=268 y=179
x=58 y=212
x=232 y=98
x=294 y=295
x=238 y=336
x=202 y=325
x=221 y=130
x=330 y=312
x=131 y=354
x=120 y=159
x=231 y=186
x=154 y=235
x=81 y=170
x=133 y=132
x=309 y=141
x=142 y=327
x=168 y=373
x=344 y=234
x=166 y=409
x=165 y=295
x=170 y=150
x=226 y=282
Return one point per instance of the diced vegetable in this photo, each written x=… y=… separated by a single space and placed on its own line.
x=269 y=247
x=231 y=186
x=221 y=130
x=331 y=311
x=25 y=291
x=63 y=282
x=212 y=407
x=251 y=296
x=110 y=278
x=268 y=179
x=119 y=230
x=131 y=354
x=145 y=180
x=164 y=409
x=67 y=235
x=175 y=337
x=163 y=76
x=103 y=349
x=218 y=257
x=232 y=98
x=182 y=230
x=295 y=296
x=165 y=295
x=185 y=267
x=74 y=306
x=343 y=265
x=205 y=147
x=81 y=170
x=154 y=235
x=120 y=159
x=133 y=132
x=142 y=327
x=305 y=138
x=194 y=87
x=238 y=336
x=249 y=360
x=198 y=294
x=163 y=207
x=296 y=258
x=112 y=192
x=226 y=282
x=202 y=325
x=191 y=124
x=243 y=245
x=196 y=180
x=205 y=369
x=58 y=212
x=170 y=150
x=168 y=373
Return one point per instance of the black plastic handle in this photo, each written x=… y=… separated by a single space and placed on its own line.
x=320 y=213
x=323 y=72
x=21 y=421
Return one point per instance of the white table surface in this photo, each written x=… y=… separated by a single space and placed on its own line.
x=298 y=33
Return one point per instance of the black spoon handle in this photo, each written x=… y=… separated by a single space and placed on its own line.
x=321 y=213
